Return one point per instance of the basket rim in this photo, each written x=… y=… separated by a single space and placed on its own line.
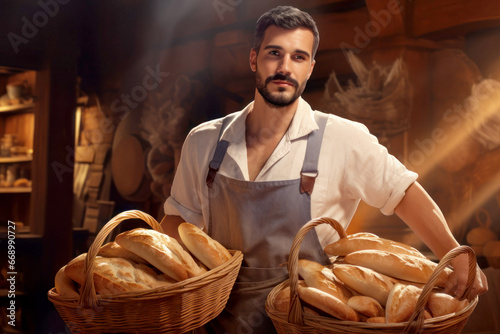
x=163 y=291
x=310 y=318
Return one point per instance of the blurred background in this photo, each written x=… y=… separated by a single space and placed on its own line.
x=96 y=98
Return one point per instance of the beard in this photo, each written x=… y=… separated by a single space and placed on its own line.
x=280 y=99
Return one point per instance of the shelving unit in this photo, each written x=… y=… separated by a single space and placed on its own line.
x=18 y=120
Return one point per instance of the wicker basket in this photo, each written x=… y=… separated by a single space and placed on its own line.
x=177 y=308
x=295 y=321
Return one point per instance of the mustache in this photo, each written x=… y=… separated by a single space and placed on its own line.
x=282 y=77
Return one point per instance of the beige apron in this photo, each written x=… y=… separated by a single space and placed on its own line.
x=261 y=219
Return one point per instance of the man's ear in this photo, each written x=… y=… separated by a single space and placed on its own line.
x=311 y=69
x=253 y=60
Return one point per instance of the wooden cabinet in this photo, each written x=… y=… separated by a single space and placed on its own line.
x=17 y=125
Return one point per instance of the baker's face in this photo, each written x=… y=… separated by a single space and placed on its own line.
x=283 y=65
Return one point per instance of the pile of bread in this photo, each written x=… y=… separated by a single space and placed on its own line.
x=142 y=259
x=373 y=280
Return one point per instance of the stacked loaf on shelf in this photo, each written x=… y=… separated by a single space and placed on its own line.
x=372 y=280
x=142 y=259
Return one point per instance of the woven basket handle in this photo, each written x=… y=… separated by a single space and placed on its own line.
x=416 y=321
x=295 y=315
x=88 y=296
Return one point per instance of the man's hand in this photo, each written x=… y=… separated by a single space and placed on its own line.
x=457 y=283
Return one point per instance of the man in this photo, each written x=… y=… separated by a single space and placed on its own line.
x=254 y=178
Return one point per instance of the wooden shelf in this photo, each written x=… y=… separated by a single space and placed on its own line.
x=15 y=190
x=17 y=108
x=9 y=160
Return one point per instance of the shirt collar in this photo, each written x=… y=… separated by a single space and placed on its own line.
x=302 y=123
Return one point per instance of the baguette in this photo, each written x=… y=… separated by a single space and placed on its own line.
x=112 y=249
x=441 y=304
x=405 y=267
x=362 y=235
x=327 y=303
x=162 y=251
x=367 y=306
x=345 y=246
x=282 y=300
x=65 y=286
x=116 y=275
x=320 y=277
x=365 y=281
x=401 y=303
x=209 y=251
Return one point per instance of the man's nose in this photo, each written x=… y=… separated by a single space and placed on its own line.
x=284 y=66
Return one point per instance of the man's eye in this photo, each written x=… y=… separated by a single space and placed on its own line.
x=274 y=53
x=300 y=57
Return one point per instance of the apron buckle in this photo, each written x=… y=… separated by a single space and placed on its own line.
x=211 y=176
x=307 y=181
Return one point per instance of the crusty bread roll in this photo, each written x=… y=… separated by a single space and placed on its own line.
x=162 y=251
x=406 y=267
x=116 y=275
x=209 y=251
x=440 y=303
x=65 y=286
x=376 y=320
x=320 y=277
x=345 y=246
x=401 y=303
x=327 y=303
x=365 y=281
x=22 y=182
x=282 y=300
x=362 y=235
x=366 y=305
x=112 y=249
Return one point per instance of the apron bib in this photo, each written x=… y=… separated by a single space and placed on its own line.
x=261 y=220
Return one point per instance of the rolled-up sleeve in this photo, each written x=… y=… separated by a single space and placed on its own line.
x=188 y=194
x=373 y=175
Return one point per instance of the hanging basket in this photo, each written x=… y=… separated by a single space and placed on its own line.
x=296 y=321
x=177 y=308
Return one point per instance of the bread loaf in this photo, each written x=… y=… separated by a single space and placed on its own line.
x=210 y=252
x=365 y=281
x=441 y=304
x=282 y=300
x=367 y=306
x=406 y=267
x=112 y=249
x=320 y=277
x=327 y=303
x=162 y=251
x=116 y=275
x=65 y=287
x=345 y=246
x=401 y=303
x=362 y=235
x=376 y=320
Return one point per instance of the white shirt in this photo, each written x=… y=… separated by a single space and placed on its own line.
x=352 y=166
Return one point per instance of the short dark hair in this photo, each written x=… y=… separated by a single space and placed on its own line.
x=286 y=17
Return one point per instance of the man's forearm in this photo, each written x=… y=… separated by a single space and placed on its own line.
x=423 y=216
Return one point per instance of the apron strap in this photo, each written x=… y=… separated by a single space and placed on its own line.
x=220 y=152
x=310 y=167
